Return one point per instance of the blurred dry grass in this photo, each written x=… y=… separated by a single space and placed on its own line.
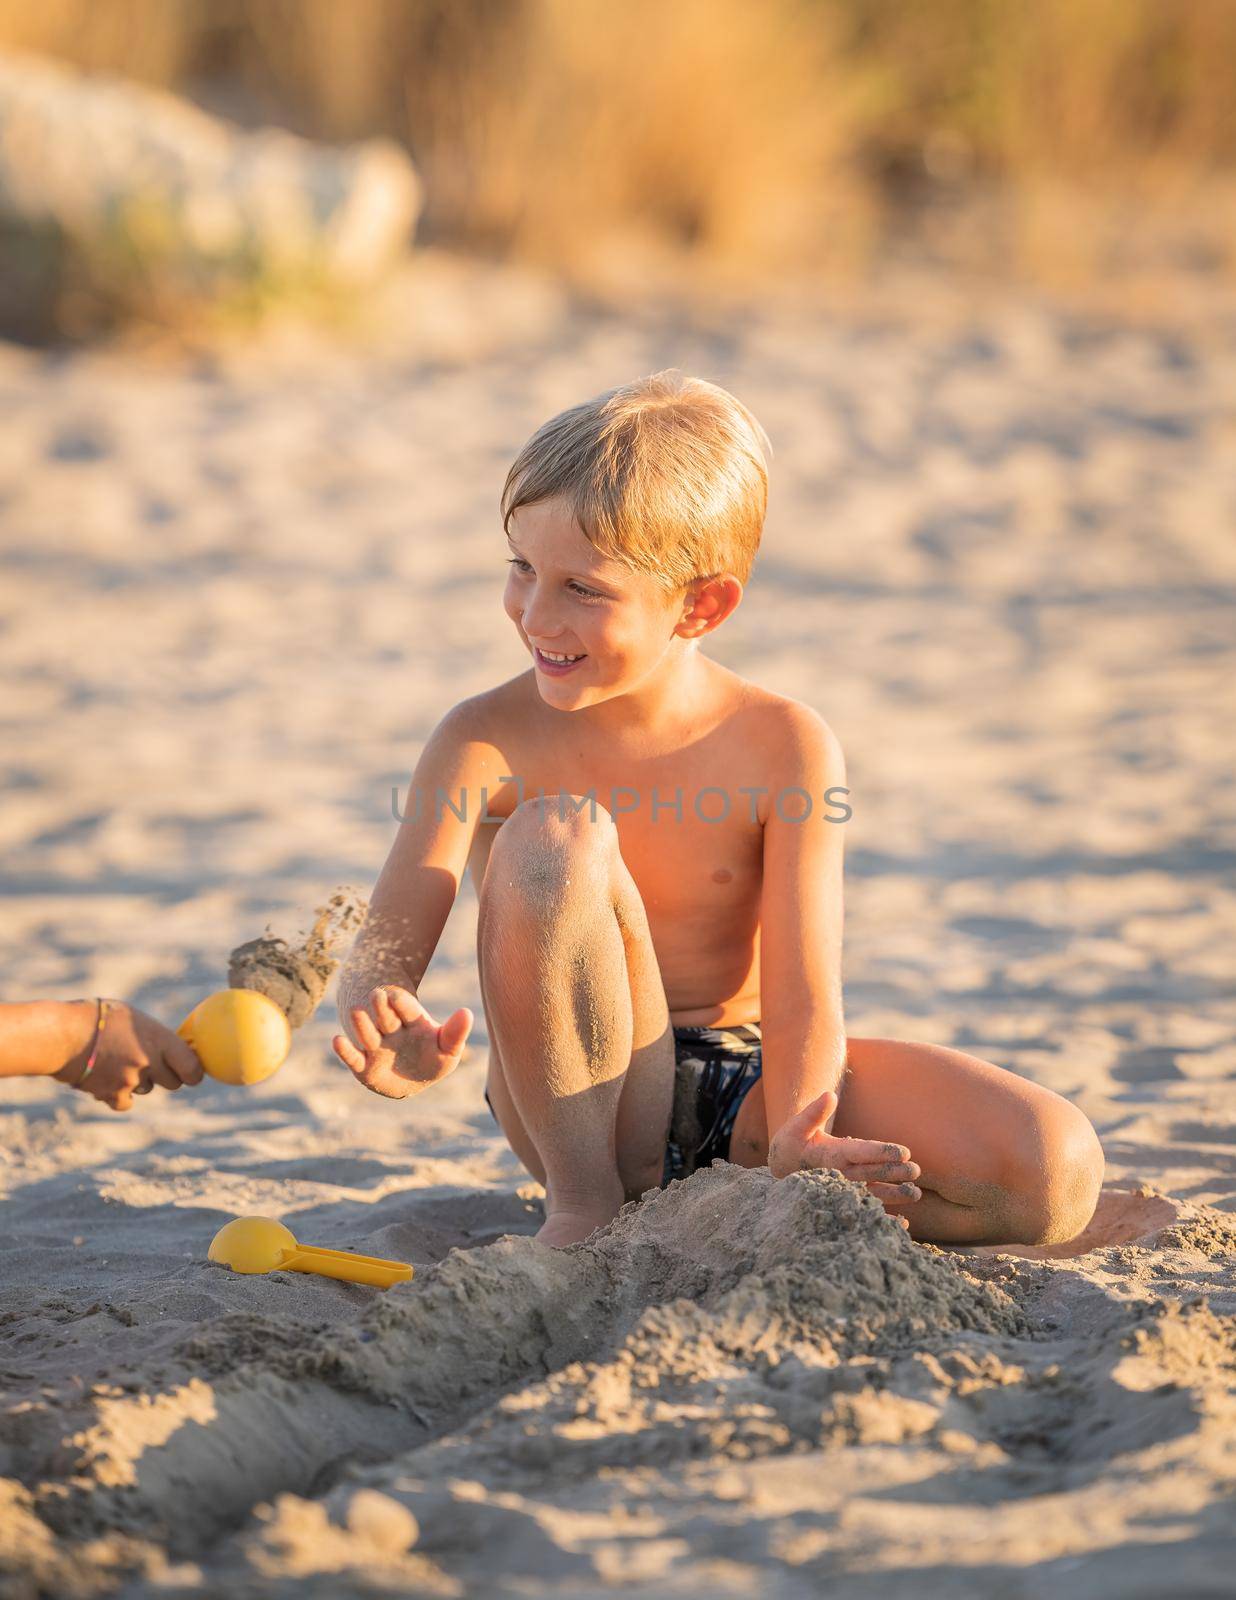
x=756 y=136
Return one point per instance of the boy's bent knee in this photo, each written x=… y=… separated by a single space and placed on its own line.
x=536 y=849
x=1053 y=1182
x=559 y=816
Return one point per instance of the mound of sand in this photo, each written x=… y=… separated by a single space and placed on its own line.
x=726 y=1266
x=728 y=1320
x=727 y=1278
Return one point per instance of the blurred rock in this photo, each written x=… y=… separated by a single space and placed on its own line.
x=129 y=193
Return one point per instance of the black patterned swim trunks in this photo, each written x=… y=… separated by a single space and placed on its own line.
x=715 y=1069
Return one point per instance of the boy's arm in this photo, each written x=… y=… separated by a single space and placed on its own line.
x=803 y=1030
x=801 y=1019
x=418 y=884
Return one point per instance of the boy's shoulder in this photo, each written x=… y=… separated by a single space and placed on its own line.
x=801 y=724
x=788 y=741
x=787 y=724
x=488 y=731
x=797 y=745
x=490 y=713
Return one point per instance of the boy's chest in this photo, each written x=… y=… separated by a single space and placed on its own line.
x=688 y=825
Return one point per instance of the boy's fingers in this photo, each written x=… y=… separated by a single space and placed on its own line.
x=348 y=1053
x=451 y=1038
x=835 y=1155
x=875 y=1151
x=381 y=1080
x=882 y=1172
x=821 y=1108
x=872 y=1153
x=366 y=1030
x=388 y=1021
x=453 y=1034
x=898 y=1193
x=812 y=1117
x=406 y=1006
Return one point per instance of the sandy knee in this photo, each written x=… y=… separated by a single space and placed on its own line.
x=542 y=846
x=1078 y=1172
x=558 y=817
x=1054 y=1177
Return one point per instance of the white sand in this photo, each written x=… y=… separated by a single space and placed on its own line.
x=235 y=601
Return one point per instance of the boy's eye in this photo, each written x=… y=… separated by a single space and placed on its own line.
x=587 y=594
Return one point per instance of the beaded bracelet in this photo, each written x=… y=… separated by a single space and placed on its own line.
x=100 y=1024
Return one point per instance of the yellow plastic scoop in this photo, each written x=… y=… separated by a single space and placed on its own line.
x=239 y=1035
x=260 y=1244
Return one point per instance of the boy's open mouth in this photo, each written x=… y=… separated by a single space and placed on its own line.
x=556 y=667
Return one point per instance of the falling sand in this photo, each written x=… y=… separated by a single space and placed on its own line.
x=295 y=976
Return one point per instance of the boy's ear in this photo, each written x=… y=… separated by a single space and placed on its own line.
x=708 y=604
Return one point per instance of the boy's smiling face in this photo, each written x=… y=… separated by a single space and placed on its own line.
x=567 y=598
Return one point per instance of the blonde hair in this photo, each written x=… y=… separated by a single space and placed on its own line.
x=666 y=474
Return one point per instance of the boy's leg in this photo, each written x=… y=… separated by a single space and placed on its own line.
x=1004 y=1160
x=582 y=1054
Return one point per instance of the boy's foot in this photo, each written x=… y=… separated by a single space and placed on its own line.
x=567 y=1226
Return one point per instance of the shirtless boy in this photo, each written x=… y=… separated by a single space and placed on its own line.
x=660 y=908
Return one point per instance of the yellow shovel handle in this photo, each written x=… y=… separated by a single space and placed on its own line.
x=344 y=1265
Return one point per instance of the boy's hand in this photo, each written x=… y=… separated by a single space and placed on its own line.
x=403 y=1050
x=136 y=1053
x=802 y=1143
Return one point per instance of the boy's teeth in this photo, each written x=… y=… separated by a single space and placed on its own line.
x=549 y=656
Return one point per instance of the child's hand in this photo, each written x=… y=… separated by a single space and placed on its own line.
x=136 y=1053
x=802 y=1143
x=403 y=1050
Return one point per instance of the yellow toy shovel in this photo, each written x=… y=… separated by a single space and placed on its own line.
x=239 y=1035
x=260 y=1244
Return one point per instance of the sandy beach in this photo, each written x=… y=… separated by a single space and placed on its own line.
x=239 y=593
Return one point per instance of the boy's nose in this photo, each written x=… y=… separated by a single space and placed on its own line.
x=538 y=624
